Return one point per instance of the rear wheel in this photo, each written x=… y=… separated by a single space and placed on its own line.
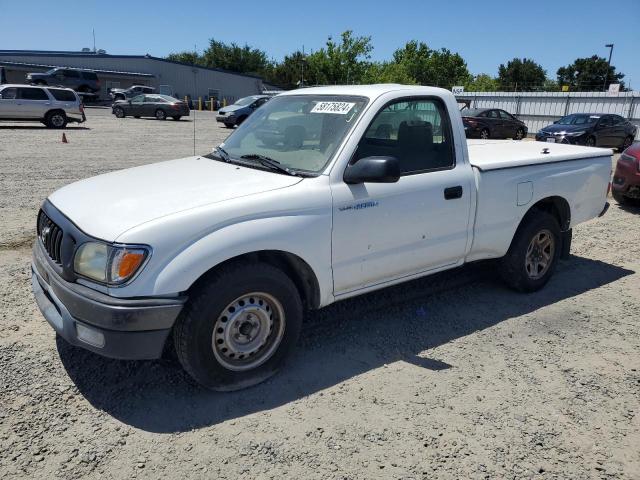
x=239 y=326
x=119 y=112
x=228 y=125
x=177 y=117
x=161 y=114
x=56 y=119
x=591 y=141
x=519 y=134
x=533 y=253
x=484 y=133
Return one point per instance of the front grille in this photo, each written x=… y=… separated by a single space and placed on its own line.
x=50 y=235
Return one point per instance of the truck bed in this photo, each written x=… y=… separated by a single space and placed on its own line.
x=498 y=154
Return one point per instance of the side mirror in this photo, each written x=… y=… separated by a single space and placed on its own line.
x=373 y=170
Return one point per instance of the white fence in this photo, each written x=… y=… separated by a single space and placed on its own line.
x=538 y=109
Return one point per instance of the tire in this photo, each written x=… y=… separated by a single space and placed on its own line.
x=119 y=112
x=136 y=116
x=626 y=144
x=591 y=141
x=229 y=125
x=240 y=120
x=519 y=134
x=229 y=300
x=524 y=268
x=619 y=197
x=161 y=114
x=177 y=117
x=56 y=119
x=484 y=134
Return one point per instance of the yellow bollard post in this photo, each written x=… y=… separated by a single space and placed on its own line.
x=186 y=99
x=211 y=102
x=224 y=102
x=200 y=103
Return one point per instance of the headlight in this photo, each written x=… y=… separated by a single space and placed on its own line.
x=108 y=264
x=575 y=134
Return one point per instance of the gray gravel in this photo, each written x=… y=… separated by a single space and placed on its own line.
x=453 y=376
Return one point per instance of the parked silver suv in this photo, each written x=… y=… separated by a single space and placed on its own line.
x=54 y=107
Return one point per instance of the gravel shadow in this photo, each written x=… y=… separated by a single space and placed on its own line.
x=344 y=340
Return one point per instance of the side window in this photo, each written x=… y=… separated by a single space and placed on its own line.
x=89 y=75
x=416 y=132
x=505 y=116
x=9 y=93
x=605 y=122
x=71 y=74
x=137 y=99
x=492 y=114
x=32 y=94
x=62 y=95
x=617 y=120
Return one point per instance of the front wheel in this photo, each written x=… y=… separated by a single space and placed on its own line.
x=229 y=125
x=519 y=134
x=591 y=141
x=533 y=253
x=161 y=114
x=239 y=326
x=484 y=134
x=118 y=112
x=176 y=117
x=626 y=144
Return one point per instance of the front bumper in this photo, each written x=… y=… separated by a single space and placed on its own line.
x=226 y=118
x=132 y=329
x=566 y=139
x=626 y=179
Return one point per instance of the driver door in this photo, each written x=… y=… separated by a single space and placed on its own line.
x=386 y=231
x=136 y=106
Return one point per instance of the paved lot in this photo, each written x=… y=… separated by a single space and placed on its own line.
x=448 y=377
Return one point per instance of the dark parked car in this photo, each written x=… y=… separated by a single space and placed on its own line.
x=132 y=91
x=85 y=81
x=492 y=123
x=590 y=129
x=238 y=112
x=158 y=106
x=625 y=187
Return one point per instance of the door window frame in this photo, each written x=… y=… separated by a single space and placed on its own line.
x=448 y=133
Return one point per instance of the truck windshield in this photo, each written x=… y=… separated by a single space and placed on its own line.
x=300 y=132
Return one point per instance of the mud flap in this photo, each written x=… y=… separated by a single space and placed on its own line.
x=566 y=244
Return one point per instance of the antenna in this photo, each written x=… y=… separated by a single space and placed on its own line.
x=195 y=91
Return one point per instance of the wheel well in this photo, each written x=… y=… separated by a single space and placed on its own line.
x=558 y=207
x=49 y=112
x=296 y=269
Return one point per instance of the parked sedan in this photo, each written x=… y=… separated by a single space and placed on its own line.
x=492 y=123
x=625 y=187
x=158 y=106
x=238 y=112
x=590 y=129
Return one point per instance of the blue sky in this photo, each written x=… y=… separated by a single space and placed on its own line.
x=486 y=33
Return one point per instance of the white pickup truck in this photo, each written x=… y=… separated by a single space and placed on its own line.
x=322 y=194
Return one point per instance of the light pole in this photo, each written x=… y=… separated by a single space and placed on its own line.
x=606 y=75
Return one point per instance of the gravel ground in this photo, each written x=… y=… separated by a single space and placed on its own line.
x=452 y=376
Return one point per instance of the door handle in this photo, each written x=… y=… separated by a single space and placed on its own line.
x=451 y=193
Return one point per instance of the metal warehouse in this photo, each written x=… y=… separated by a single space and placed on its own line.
x=122 y=71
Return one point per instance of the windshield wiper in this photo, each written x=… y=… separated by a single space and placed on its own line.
x=222 y=153
x=270 y=163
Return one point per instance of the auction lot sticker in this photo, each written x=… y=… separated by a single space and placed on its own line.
x=341 y=108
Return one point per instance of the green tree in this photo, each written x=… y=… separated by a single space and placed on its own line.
x=192 y=58
x=235 y=58
x=343 y=62
x=482 y=83
x=388 y=72
x=288 y=73
x=440 y=68
x=521 y=74
x=589 y=74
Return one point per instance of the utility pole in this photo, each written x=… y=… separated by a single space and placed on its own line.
x=94 y=39
x=606 y=75
x=302 y=74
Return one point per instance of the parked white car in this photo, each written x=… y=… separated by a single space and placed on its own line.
x=55 y=107
x=227 y=250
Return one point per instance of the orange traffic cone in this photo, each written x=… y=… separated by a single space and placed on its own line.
x=64 y=138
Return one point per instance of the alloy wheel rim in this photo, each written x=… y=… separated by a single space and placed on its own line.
x=248 y=331
x=484 y=134
x=519 y=135
x=160 y=114
x=57 y=120
x=540 y=254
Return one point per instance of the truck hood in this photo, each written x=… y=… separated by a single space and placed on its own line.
x=108 y=205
